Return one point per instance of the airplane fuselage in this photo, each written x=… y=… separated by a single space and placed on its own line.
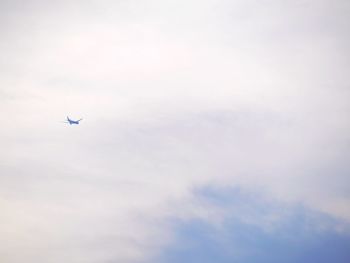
x=73 y=122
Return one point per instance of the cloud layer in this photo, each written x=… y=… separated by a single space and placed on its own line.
x=175 y=96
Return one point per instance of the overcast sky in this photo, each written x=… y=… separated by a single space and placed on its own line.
x=212 y=131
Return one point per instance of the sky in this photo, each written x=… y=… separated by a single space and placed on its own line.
x=212 y=131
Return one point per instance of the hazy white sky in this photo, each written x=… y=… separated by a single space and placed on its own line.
x=175 y=96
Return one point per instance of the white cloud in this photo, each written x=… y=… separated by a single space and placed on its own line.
x=173 y=95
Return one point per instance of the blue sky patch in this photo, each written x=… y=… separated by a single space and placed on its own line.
x=300 y=235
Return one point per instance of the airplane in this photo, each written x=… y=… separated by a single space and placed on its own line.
x=72 y=121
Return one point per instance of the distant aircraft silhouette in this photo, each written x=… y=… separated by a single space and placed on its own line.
x=72 y=121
